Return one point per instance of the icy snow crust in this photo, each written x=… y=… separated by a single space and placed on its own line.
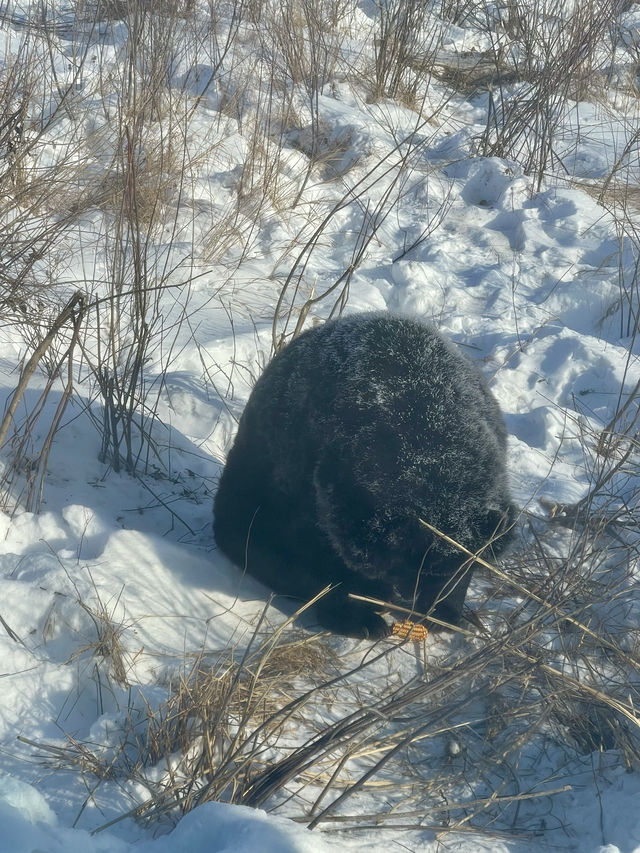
x=531 y=282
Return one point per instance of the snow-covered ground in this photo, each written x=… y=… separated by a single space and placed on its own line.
x=260 y=186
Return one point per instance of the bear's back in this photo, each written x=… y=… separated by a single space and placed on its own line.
x=383 y=391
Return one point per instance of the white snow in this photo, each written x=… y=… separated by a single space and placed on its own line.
x=538 y=284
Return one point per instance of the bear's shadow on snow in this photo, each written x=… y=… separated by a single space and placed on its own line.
x=356 y=431
x=90 y=502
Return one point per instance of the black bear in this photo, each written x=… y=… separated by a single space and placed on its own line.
x=355 y=431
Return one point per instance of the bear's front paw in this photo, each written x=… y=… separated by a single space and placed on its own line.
x=351 y=618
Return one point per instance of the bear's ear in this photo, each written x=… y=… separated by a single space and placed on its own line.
x=498 y=522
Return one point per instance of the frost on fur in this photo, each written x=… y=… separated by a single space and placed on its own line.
x=354 y=432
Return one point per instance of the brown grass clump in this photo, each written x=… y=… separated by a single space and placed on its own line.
x=550 y=671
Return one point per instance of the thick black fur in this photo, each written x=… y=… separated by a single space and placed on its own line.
x=354 y=432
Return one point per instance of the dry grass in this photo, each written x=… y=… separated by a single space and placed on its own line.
x=458 y=740
x=136 y=164
x=451 y=738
